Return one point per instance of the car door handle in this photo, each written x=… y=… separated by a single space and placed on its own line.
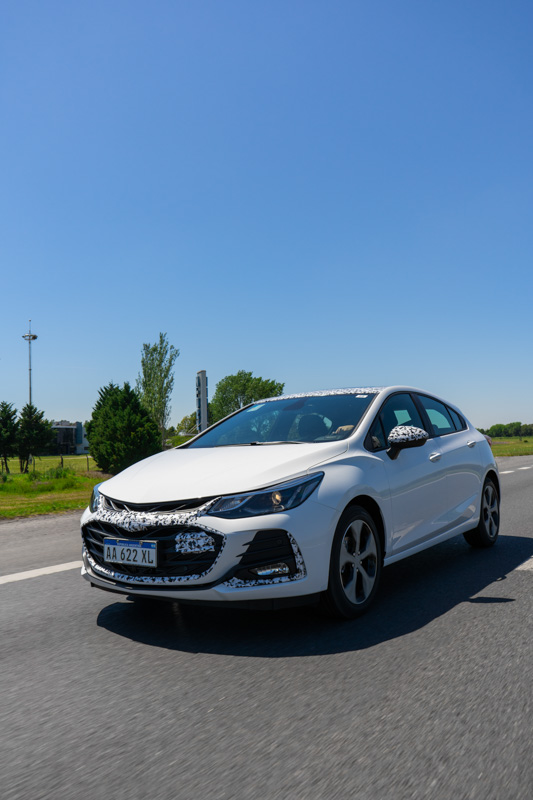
x=435 y=456
x=471 y=443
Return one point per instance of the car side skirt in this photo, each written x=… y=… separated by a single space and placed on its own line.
x=443 y=537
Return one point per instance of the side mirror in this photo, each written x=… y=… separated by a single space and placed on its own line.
x=404 y=436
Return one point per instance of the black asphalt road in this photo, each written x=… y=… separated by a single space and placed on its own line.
x=428 y=696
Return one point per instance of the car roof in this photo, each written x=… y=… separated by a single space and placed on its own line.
x=326 y=393
x=382 y=390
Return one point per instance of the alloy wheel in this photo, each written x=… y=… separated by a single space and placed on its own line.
x=490 y=511
x=358 y=562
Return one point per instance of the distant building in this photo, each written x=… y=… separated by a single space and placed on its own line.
x=71 y=438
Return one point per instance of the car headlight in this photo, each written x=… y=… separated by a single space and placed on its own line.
x=95 y=498
x=273 y=500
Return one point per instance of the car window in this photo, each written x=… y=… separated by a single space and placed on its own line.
x=457 y=420
x=399 y=410
x=306 y=418
x=375 y=439
x=438 y=414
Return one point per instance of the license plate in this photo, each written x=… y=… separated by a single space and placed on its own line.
x=130 y=551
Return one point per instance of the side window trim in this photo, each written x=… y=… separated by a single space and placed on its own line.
x=453 y=413
x=423 y=413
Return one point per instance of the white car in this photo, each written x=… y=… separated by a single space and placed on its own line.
x=295 y=498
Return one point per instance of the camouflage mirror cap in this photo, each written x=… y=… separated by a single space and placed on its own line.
x=405 y=436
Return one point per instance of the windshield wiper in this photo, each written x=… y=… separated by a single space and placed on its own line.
x=256 y=444
x=232 y=444
x=282 y=441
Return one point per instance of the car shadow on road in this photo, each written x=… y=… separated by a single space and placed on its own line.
x=414 y=592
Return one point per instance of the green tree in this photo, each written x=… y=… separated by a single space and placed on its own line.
x=35 y=435
x=235 y=391
x=156 y=380
x=509 y=429
x=497 y=431
x=187 y=424
x=8 y=433
x=513 y=429
x=121 y=431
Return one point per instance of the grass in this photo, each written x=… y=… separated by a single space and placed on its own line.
x=512 y=447
x=50 y=489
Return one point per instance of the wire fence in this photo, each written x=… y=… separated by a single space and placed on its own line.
x=78 y=464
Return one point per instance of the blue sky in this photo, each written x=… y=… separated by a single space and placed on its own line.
x=325 y=193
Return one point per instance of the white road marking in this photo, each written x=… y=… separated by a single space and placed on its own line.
x=36 y=573
x=524 y=467
x=506 y=471
x=527 y=565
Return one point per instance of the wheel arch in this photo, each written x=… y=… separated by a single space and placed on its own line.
x=493 y=475
x=372 y=508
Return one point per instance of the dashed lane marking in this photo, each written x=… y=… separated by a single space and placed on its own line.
x=506 y=471
x=36 y=573
x=527 y=565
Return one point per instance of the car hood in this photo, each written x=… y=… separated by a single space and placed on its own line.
x=182 y=474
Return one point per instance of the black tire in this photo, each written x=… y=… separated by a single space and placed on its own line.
x=355 y=565
x=486 y=532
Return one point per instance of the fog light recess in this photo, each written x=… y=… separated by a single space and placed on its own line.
x=271 y=570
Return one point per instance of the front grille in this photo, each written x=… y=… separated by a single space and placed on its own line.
x=267 y=547
x=170 y=563
x=180 y=506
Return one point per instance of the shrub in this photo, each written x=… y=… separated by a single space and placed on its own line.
x=121 y=431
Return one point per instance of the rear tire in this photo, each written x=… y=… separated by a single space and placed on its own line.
x=355 y=565
x=486 y=533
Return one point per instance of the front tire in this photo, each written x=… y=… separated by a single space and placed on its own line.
x=486 y=533
x=355 y=565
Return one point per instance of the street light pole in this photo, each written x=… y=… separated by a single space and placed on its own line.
x=29 y=337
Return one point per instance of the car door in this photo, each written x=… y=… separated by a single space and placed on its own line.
x=459 y=454
x=417 y=477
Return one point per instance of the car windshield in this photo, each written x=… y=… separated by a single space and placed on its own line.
x=322 y=418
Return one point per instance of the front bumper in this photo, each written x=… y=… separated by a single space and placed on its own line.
x=308 y=529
